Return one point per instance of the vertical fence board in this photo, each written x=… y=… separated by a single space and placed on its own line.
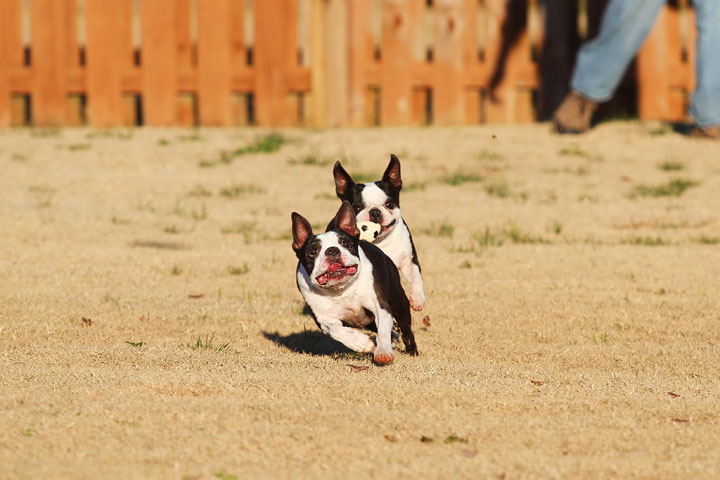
x=664 y=80
x=109 y=57
x=336 y=29
x=214 y=62
x=360 y=45
x=10 y=53
x=159 y=54
x=182 y=36
x=400 y=19
x=51 y=40
x=316 y=111
x=271 y=66
x=237 y=34
x=448 y=108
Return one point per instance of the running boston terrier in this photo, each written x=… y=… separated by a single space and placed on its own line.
x=379 y=202
x=348 y=282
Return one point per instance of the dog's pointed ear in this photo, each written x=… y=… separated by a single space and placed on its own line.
x=345 y=220
x=343 y=180
x=301 y=230
x=392 y=173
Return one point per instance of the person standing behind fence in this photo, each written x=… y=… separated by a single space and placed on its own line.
x=601 y=63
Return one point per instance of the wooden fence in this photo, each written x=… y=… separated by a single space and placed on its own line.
x=308 y=62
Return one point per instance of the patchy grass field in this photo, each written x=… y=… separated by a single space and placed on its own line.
x=150 y=326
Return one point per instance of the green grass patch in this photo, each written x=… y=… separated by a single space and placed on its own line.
x=706 y=240
x=199 y=191
x=647 y=241
x=312 y=160
x=670 y=166
x=487 y=238
x=487 y=156
x=18 y=157
x=191 y=137
x=241 y=270
x=515 y=234
x=135 y=344
x=163 y=142
x=119 y=221
x=498 y=189
x=364 y=177
x=45 y=132
x=459 y=178
x=555 y=227
x=226 y=476
x=110 y=133
x=239 y=190
x=573 y=150
x=76 y=147
x=454 y=439
x=171 y=229
x=248 y=230
x=439 y=230
x=414 y=187
x=267 y=144
x=207 y=344
x=579 y=171
x=176 y=270
x=659 y=131
x=673 y=188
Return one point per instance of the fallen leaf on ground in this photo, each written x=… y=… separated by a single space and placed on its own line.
x=680 y=420
x=357 y=368
x=87 y=322
x=196 y=295
x=673 y=394
x=426 y=320
x=425 y=439
x=390 y=438
x=536 y=382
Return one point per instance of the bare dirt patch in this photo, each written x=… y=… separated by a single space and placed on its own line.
x=150 y=326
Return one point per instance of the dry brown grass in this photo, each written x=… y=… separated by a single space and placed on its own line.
x=574 y=332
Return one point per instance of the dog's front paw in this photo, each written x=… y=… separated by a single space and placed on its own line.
x=383 y=357
x=365 y=345
x=417 y=300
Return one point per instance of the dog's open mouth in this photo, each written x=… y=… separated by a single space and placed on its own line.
x=335 y=273
x=385 y=228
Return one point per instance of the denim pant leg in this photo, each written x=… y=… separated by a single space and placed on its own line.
x=601 y=63
x=705 y=105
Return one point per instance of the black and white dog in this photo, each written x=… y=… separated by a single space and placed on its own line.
x=379 y=202
x=348 y=282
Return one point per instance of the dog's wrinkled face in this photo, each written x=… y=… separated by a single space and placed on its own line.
x=331 y=258
x=377 y=202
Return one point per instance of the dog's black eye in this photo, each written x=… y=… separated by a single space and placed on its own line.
x=389 y=204
x=357 y=208
x=313 y=251
x=345 y=242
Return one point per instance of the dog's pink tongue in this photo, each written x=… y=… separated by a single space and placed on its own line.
x=334 y=267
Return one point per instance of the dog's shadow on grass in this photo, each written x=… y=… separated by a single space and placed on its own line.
x=312 y=342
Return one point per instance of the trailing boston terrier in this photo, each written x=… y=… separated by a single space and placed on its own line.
x=347 y=282
x=379 y=202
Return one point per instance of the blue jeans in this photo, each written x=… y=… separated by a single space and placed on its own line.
x=625 y=24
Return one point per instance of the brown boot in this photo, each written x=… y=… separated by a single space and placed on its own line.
x=574 y=114
x=707 y=132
